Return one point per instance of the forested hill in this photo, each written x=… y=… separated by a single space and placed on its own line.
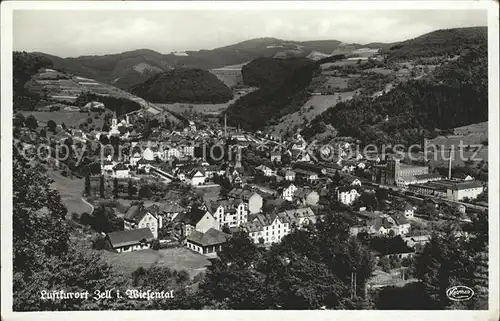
x=444 y=42
x=454 y=95
x=183 y=85
x=269 y=72
x=284 y=89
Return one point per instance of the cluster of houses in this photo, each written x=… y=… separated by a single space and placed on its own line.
x=379 y=223
x=205 y=228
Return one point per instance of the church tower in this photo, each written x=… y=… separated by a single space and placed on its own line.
x=114 y=121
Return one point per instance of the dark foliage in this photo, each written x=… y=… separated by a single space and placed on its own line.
x=269 y=72
x=119 y=105
x=454 y=96
x=183 y=85
x=447 y=42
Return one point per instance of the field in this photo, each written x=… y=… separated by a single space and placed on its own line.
x=336 y=82
x=174 y=258
x=199 y=108
x=383 y=71
x=69 y=118
x=71 y=191
x=473 y=135
x=312 y=108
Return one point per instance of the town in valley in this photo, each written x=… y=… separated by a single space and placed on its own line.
x=287 y=175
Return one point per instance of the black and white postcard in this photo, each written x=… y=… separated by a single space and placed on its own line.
x=250 y=160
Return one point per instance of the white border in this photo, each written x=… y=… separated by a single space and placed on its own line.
x=6 y=156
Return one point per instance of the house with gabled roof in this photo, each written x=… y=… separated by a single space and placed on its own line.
x=408 y=210
x=196 y=220
x=347 y=194
x=167 y=210
x=232 y=212
x=196 y=177
x=306 y=196
x=265 y=170
x=253 y=199
x=129 y=240
x=401 y=225
x=287 y=193
x=299 y=217
x=286 y=174
x=267 y=229
x=137 y=216
x=121 y=171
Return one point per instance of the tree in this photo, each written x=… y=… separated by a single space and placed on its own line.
x=226 y=229
x=103 y=139
x=41 y=246
x=442 y=264
x=115 y=187
x=101 y=186
x=87 y=184
x=145 y=191
x=105 y=220
x=130 y=189
x=19 y=120
x=336 y=178
x=31 y=122
x=52 y=126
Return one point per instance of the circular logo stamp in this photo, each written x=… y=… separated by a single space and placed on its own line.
x=460 y=293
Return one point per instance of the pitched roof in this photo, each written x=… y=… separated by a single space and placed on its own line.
x=303 y=192
x=130 y=237
x=242 y=193
x=466 y=185
x=135 y=213
x=193 y=217
x=120 y=167
x=210 y=237
x=171 y=207
x=427 y=176
x=400 y=219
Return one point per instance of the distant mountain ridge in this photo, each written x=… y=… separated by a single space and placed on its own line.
x=121 y=69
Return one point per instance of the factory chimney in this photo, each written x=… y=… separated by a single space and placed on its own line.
x=449 y=163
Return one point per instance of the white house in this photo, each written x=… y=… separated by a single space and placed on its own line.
x=196 y=177
x=267 y=229
x=266 y=170
x=196 y=220
x=287 y=193
x=134 y=159
x=409 y=211
x=148 y=154
x=356 y=182
x=173 y=152
x=138 y=217
x=232 y=213
x=121 y=171
x=129 y=240
x=347 y=195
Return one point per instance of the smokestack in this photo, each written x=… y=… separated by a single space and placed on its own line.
x=449 y=163
x=225 y=125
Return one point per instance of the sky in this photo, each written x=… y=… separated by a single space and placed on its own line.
x=76 y=33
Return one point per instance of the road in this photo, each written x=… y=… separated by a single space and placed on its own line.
x=91 y=206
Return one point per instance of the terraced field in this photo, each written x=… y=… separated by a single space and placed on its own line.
x=70 y=119
x=312 y=108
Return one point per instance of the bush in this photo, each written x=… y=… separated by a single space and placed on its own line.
x=99 y=243
x=155 y=245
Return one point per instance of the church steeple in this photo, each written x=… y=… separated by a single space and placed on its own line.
x=114 y=121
